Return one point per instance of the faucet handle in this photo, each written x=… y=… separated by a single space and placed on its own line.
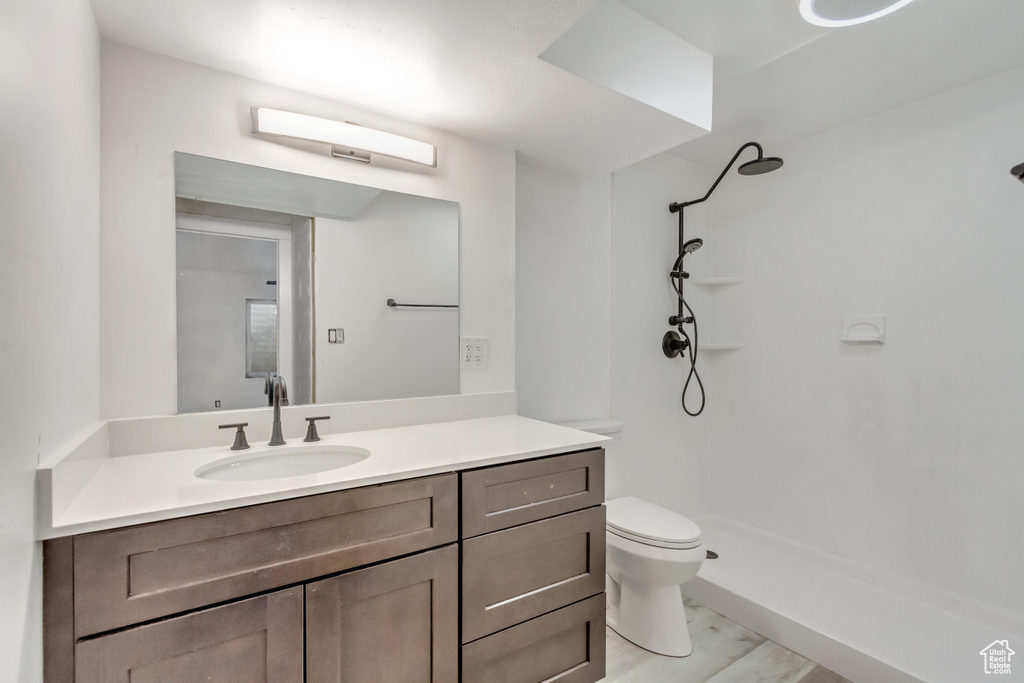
x=311 y=434
x=240 y=443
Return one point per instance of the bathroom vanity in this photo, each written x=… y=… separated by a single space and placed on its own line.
x=479 y=573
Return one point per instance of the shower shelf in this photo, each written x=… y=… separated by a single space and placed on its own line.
x=714 y=281
x=720 y=347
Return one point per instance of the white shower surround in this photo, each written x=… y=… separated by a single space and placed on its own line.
x=892 y=465
x=904 y=456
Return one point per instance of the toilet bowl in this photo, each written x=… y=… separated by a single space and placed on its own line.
x=651 y=552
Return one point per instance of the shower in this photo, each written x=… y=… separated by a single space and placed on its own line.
x=693 y=245
x=676 y=343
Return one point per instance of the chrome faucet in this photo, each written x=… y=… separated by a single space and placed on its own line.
x=280 y=399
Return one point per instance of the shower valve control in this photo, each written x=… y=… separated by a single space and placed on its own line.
x=672 y=344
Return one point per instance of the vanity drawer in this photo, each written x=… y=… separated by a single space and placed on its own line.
x=567 y=645
x=500 y=497
x=139 y=573
x=258 y=640
x=517 y=574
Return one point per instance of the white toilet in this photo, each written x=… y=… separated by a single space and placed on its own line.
x=651 y=551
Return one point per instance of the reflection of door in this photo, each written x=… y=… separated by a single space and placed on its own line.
x=230 y=276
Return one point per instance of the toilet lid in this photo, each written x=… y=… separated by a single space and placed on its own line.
x=642 y=520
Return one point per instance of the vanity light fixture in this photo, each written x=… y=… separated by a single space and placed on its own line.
x=836 y=13
x=347 y=140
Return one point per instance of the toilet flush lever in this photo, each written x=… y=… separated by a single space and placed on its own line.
x=311 y=434
x=240 y=443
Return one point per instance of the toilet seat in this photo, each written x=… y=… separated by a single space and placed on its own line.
x=652 y=525
x=653 y=543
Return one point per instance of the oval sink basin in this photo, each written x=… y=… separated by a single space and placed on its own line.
x=293 y=462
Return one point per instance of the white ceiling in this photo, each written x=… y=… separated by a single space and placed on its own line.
x=847 y=74
x=626 y=52
x=472 y=66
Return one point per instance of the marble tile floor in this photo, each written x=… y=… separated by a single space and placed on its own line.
x=723 y=652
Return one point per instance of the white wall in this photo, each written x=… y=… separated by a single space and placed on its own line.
x=563 y=297
x=49 y=244
x=663 y=453
x=388 y=352
x=593 y=294
x=154 y=106
x=906 y=457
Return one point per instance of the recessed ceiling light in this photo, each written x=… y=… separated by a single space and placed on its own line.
x=833 y=13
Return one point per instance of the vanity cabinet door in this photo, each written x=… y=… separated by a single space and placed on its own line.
x=251 y=641
x=397 y=621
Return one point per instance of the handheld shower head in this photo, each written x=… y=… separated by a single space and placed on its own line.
x=693 y=245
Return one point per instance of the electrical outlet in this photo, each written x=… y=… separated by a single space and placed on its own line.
x=474 y=352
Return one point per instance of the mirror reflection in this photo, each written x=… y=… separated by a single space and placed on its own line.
x=348 y=292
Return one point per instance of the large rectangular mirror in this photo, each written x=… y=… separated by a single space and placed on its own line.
x=349 y=293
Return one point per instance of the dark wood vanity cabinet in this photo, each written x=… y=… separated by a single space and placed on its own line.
x=533 y=570
x=363 y=585
x=171 y=602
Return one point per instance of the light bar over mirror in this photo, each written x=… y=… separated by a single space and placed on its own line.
x=340 y=134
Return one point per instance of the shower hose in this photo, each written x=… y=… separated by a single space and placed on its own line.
x=691 y=345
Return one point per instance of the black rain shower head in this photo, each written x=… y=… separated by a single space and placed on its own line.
x=693 y=245
x=1018 y=172
x=759 y=166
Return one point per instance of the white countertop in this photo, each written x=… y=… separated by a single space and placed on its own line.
x=134 y=489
